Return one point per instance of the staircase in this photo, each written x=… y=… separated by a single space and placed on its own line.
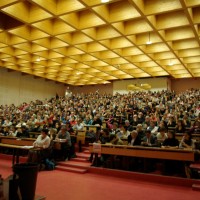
x=196 y=167
x=80 y=164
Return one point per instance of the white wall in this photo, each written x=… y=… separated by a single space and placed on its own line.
x=157 y=84
x=17 y=88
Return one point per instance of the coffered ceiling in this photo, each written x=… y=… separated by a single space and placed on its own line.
x=80 y=42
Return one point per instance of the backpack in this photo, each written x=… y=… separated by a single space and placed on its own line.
x=49 y=164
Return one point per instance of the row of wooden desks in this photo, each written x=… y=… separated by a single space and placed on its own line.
x=19 y=144
x=144 y=152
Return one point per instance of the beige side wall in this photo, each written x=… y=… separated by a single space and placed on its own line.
x=180 y=85
x=156 y=84
x=105 y=88
x=169 y=84
x=17 y=88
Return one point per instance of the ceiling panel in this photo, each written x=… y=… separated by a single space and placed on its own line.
x=83 y=42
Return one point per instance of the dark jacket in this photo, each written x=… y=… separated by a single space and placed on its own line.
x=173 y=142
x=152 y=141
x=136 y=142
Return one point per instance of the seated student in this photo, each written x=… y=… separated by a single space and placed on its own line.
x=42 y=143
x=78 y=126
x=134 y=121
x=128 y=126
x=52 y=133
x=97 y=122
x=22 y=132
x=171 y=141
x=162 y=125
x=115 y=130
x=5 y=131
x=187 y=141
x=111 y=160
x=171 y=121
x=196 y=126
x=140 y=131
x=123 y=134
x=12 y=131
x=69 y=128
x=170 y=166
x=133 y=138
x=102 y=138
x=149 y=139
x=180 y=127
x=132 y=162
x=87 y=120
x=153 y=128
x=73 y=121
x=43 y=140
x=115 y=140
x=110 y=121
x=66 y=142
x=186 y=120
x=161 y=136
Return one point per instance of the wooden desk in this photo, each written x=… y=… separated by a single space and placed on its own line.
x=57 y=143
x=15 y=144
x=15 y=149
x=17 y=141
x=147 y=152
x=92 y=127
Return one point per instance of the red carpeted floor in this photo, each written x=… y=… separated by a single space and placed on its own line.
x=59 y=185
x=66 y=185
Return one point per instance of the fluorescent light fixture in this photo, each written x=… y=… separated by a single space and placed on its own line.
x=105 y=1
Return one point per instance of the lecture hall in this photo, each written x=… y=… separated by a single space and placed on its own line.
x=99 y=99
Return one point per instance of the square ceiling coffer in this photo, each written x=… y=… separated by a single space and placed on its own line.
x=8 y=22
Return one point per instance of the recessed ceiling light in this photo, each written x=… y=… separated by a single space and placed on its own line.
x=149 y=42
x=149 y=39
x=170 y=63
x=104 y=1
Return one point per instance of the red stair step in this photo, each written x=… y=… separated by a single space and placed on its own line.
x=71 y=169
x=75 y=164
x=86 y=152
x=196 y=187
x=79 y=159
x=82 y=155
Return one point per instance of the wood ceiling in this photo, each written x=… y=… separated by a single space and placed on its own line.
x=81 y=42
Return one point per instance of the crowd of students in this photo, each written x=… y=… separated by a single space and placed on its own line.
x=142 y=118
x=152 y=110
